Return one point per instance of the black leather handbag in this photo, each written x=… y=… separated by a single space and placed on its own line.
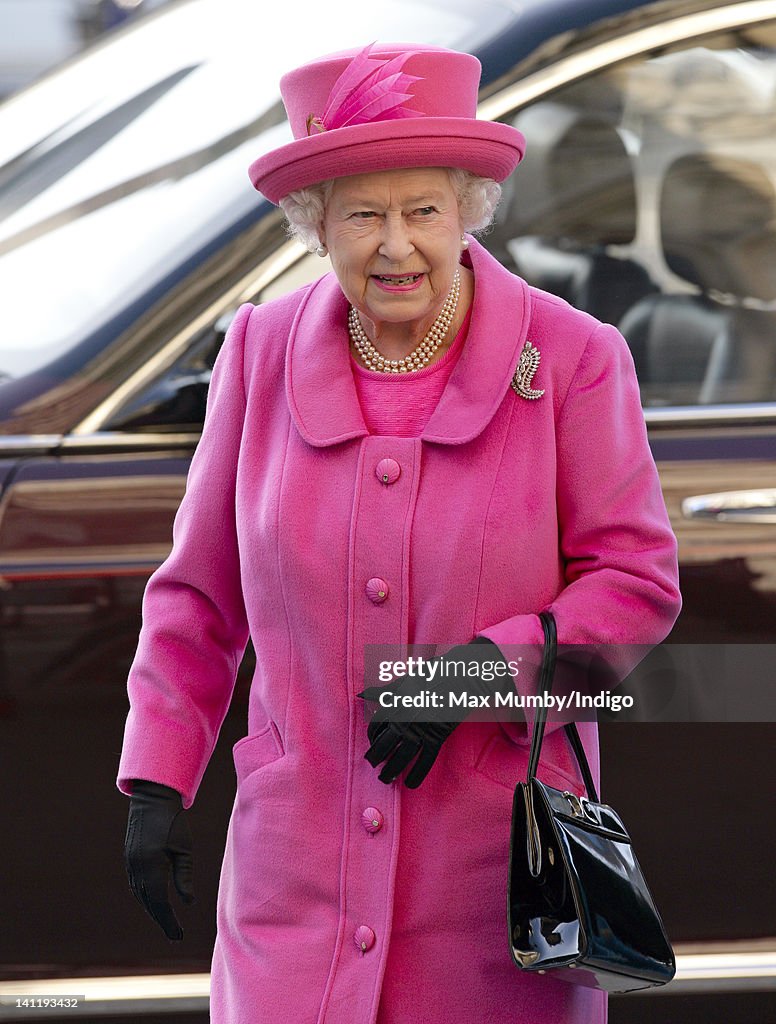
x=577 y=902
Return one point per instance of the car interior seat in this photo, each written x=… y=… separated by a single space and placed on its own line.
x=573 y=196
x=718 y=233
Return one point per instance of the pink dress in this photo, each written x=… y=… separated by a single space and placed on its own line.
x=401 y=404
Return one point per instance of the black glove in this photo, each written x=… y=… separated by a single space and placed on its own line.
x=158 y=839
x=397 y=743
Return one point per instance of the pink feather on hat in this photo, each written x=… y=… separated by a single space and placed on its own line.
x=364 y=93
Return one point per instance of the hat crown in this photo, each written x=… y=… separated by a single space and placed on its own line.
x=431 y=82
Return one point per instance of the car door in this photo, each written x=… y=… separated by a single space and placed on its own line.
x=81 y=529
x=648 y=197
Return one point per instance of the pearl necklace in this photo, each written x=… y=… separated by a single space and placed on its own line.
x=420 y=356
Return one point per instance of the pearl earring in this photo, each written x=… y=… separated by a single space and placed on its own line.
x=322 y=250
x=464 y=242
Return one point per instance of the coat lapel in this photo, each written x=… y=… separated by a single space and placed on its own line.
x=319 y=381
x=482 y=375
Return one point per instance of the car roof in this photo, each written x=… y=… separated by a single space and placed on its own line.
x=538 y=20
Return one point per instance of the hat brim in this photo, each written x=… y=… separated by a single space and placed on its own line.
x=486 y=148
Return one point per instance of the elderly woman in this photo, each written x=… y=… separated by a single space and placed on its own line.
x=417 y=448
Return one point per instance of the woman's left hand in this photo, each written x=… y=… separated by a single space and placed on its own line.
x=397 y=743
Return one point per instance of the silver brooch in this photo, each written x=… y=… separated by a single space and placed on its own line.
x=524 y=374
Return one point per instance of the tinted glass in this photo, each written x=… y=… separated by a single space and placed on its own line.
x=647 y=198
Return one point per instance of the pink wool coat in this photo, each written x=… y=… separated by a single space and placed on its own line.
x=503 y=507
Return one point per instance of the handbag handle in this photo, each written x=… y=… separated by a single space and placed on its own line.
x=549 y=658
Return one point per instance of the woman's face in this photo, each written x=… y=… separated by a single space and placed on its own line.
x=394 y=238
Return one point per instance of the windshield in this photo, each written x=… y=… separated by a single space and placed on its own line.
x=117 y=170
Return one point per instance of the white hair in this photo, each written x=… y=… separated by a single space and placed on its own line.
x=304 y=209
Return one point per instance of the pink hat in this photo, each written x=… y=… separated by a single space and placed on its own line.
x=383 y=107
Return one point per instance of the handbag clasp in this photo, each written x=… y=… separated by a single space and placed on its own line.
x=579 y=805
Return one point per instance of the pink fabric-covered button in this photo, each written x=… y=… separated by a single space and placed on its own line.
x=364 y=938
x=372 y=819
x=388 y=471
x=377 y=590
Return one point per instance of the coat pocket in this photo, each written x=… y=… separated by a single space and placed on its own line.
x=256 y=751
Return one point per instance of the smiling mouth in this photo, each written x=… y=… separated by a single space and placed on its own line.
x=399 y=280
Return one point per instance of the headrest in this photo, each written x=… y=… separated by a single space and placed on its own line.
x=577 y=182
x=718 y=225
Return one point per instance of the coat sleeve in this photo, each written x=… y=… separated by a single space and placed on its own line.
x=618 y=551
x=194 y=629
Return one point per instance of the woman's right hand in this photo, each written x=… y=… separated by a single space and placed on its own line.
x=158 y=840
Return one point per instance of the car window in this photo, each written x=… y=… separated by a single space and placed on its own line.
x=119 y=174
x=176 y=400
x=647 y=197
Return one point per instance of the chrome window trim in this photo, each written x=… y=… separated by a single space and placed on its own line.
x=20 y=444
x=113 y=440
x=710 y=415
x=613 y=51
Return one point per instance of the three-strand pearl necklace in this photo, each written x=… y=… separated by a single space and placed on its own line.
x=420 y=356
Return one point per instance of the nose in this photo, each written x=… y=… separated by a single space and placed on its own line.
x=396 y=242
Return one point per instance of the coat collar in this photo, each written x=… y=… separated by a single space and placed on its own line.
x=319 y=380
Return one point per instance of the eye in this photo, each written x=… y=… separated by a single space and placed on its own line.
x=363 y=214
x=426 y=211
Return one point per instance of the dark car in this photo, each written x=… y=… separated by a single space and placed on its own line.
x=129 y=235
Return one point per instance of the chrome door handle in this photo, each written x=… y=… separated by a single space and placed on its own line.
x=756 y=506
